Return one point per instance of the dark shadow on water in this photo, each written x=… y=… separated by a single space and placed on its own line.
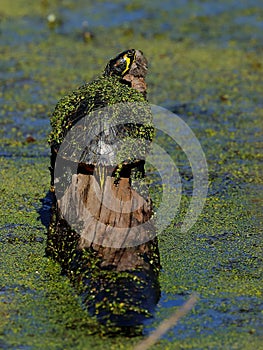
x=45 y=211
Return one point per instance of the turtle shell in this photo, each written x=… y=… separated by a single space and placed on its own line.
x=105 y=122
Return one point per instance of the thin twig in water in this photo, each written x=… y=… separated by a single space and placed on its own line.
x=167 y=324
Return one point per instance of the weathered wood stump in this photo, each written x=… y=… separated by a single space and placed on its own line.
x=100 y=231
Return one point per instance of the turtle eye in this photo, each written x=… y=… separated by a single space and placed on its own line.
x=131 y=54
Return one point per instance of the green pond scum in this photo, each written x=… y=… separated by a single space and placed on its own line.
x=205 y=64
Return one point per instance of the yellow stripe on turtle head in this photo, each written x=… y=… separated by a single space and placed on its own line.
x=128 y=62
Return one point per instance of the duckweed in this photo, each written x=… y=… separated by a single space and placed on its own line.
x=205 y=65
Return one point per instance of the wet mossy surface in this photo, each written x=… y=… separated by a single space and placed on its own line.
x=205 y=65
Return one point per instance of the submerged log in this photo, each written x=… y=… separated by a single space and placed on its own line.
x=100 y=231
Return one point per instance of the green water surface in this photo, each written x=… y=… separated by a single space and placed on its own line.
x=205 y=64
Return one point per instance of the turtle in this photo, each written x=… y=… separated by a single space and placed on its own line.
x=122 y=81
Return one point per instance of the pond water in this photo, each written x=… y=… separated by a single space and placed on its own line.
x=205 y=65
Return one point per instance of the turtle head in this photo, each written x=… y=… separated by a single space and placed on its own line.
x=131 y=67
x=121 y=64
x=127 y=62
